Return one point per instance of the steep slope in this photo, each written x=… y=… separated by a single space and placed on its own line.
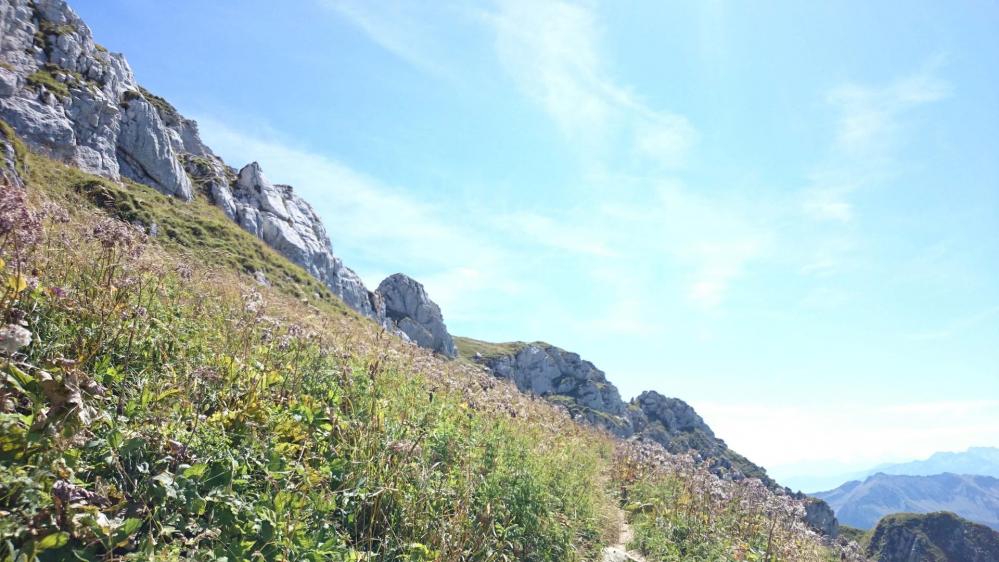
x=862 y=504
x=70 y=99
x=566 y=379
x=158 y=403
x=935 y=537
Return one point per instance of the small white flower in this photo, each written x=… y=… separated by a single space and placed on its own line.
x=13 y=337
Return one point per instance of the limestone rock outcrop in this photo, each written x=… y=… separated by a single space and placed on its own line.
x=407 y=307
x=933 y=537
x=820 y=516
x=71 y=99
x=145 y=153
x=564 y=377
x=287 y=223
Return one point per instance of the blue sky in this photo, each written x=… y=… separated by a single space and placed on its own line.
x=787 y=215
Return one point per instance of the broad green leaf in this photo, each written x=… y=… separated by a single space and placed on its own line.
x=195 y=471
x=55 y=540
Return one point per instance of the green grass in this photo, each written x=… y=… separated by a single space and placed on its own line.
x=198 y=228
x=44 y=78
x=6 y=65
x=468 y=347
x=852 y=533
x=161 y=105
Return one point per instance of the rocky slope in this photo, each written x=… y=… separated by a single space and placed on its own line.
x=566 y=379
x=563 y=377
x=935 y=537
x=862 y=504
x=71 y=99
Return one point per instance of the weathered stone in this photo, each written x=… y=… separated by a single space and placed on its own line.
x=820 y=517
x=288 y=224
x=409 y=308
x=145 y=153
x=549 y=371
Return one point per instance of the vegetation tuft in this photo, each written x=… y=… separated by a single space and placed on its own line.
x=45 y=78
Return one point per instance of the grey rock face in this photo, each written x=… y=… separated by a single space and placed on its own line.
x=670 y=416
x=9 y=175
x=407 y=305
x=564 y=378
x=145 y=153
x=820 y=517
x=549 y=371
x=70 y=99
x=288 y=224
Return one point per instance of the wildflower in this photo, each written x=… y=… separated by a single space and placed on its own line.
x=13 y=337
x=17 y=222
x=55 y=213
x=114 y=234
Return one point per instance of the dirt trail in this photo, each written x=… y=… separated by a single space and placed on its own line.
x=619 y=552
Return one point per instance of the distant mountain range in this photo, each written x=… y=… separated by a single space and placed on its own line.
x=863 y=503
x=983 y=461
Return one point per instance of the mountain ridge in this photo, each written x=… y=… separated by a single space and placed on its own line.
x=863 y=503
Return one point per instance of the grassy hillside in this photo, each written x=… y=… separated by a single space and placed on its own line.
x=468 y=347
x=157 y=404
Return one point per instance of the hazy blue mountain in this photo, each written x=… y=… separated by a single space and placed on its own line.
x=982 y=461
x=862 y=503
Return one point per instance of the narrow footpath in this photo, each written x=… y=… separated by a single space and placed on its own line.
x=619 y=552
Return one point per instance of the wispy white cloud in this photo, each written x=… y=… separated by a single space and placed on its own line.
x=568 y=235
x=398 y=27
x=869 y=115
x=867 y=139
x=551 y=49
x=827 y=205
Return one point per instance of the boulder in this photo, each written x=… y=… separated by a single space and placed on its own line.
x=820 y=517
x=408 y=307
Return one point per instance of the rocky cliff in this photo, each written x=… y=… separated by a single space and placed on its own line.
x=563 y=377
x=935 y=537
x=71 y=99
